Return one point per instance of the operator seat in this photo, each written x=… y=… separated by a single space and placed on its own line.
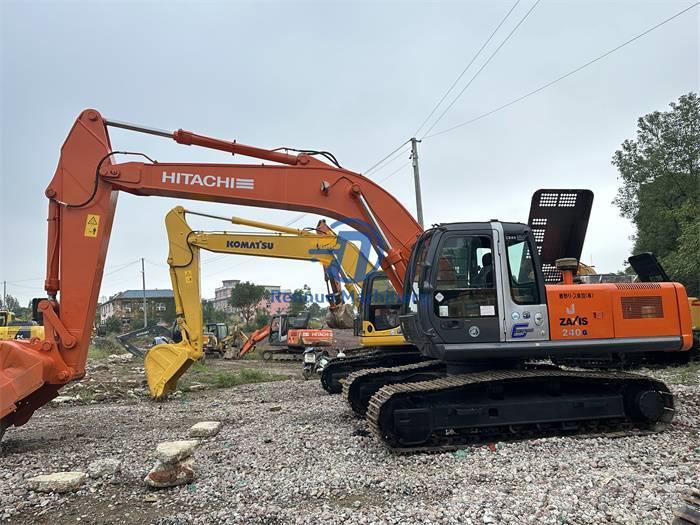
x=484 y=278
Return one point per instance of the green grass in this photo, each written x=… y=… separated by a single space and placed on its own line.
x=252 y=355
x=685 y=375
x=213 y=378
x=95 y=353
x=103 y=347
x=199 y=367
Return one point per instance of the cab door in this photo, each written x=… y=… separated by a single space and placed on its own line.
x=462 y=297
x=278 y=330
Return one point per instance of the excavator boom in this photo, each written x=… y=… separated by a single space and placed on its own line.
x=342 y=260
x=167 y=362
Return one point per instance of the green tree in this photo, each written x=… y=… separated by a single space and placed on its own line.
x=262 y=318
x=299 y=299
x=315 y=310
x=113 y=325
x=11 y=303
x=245 y=297
x=660 y=193
x=212 y=315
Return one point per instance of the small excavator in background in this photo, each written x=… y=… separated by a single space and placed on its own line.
x=474 y=301
x=152 y=331
x=288 y=337
x=13 y=328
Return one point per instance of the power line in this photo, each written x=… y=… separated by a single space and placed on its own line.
x=25 y=280
x=478 y=72
x=483 y=46
x=124 y=266
x=559 y=79
x=395 y=171
x=24 y=286
x=299 y=217
x=376 y=164
x=398 y=156
x=397 y=152
x=114 y=269
x=153 y=263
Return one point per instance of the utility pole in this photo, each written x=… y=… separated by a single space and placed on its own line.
x=4 y=294
x=143 y=283
x=416 y=179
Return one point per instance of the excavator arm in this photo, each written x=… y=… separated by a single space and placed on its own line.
x=341 y=260
x=256 y=337
x=165 y=363
x=83 y=197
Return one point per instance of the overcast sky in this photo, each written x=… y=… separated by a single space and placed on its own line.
x=356 y=79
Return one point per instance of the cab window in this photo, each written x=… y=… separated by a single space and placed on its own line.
x=465 y=285
x=385 y=304
x=523 y=284
x=418 y=269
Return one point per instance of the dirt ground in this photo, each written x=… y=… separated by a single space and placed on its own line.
x=290 y=453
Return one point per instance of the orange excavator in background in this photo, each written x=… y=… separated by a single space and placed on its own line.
x=289 y=332
x=474 y=300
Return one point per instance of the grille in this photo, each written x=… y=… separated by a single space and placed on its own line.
x=562 y=200
x=642 y=307
x=637 y=286
x=538 y=233
x=551 y=274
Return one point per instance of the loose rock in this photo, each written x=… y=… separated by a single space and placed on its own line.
x=174 y=451
x=104 y=467
x=62 y=400
x=205 y=429
x=164 y=475
x=58 y=482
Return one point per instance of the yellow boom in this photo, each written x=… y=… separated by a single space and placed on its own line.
x=165 y=363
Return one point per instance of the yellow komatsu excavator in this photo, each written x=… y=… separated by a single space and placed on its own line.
x=13 y=328
x=320 y=245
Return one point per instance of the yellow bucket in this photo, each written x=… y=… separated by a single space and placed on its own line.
x=164 y=364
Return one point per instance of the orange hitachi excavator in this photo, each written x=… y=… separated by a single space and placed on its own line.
x=292 y=333
x=474 y=300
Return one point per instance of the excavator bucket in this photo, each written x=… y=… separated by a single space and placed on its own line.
x=165 y=364
x=341 y=316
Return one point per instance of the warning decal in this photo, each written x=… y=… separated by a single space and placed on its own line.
x=92 y=224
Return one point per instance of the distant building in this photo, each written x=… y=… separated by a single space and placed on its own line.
x=222 y=295
x=275 y=304
x=128 y=305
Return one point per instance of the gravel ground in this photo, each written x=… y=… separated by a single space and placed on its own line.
x=289 y=453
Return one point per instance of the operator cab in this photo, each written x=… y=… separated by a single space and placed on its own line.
x=471 y=287
x=380 y=305
x=282 y=323
x=219 y=330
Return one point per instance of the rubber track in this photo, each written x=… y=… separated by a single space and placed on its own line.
x=360 y=374
x=450 y=443
x=340 y=362
x=362 y=360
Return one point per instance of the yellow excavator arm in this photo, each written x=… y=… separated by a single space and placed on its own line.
x=162 y=361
